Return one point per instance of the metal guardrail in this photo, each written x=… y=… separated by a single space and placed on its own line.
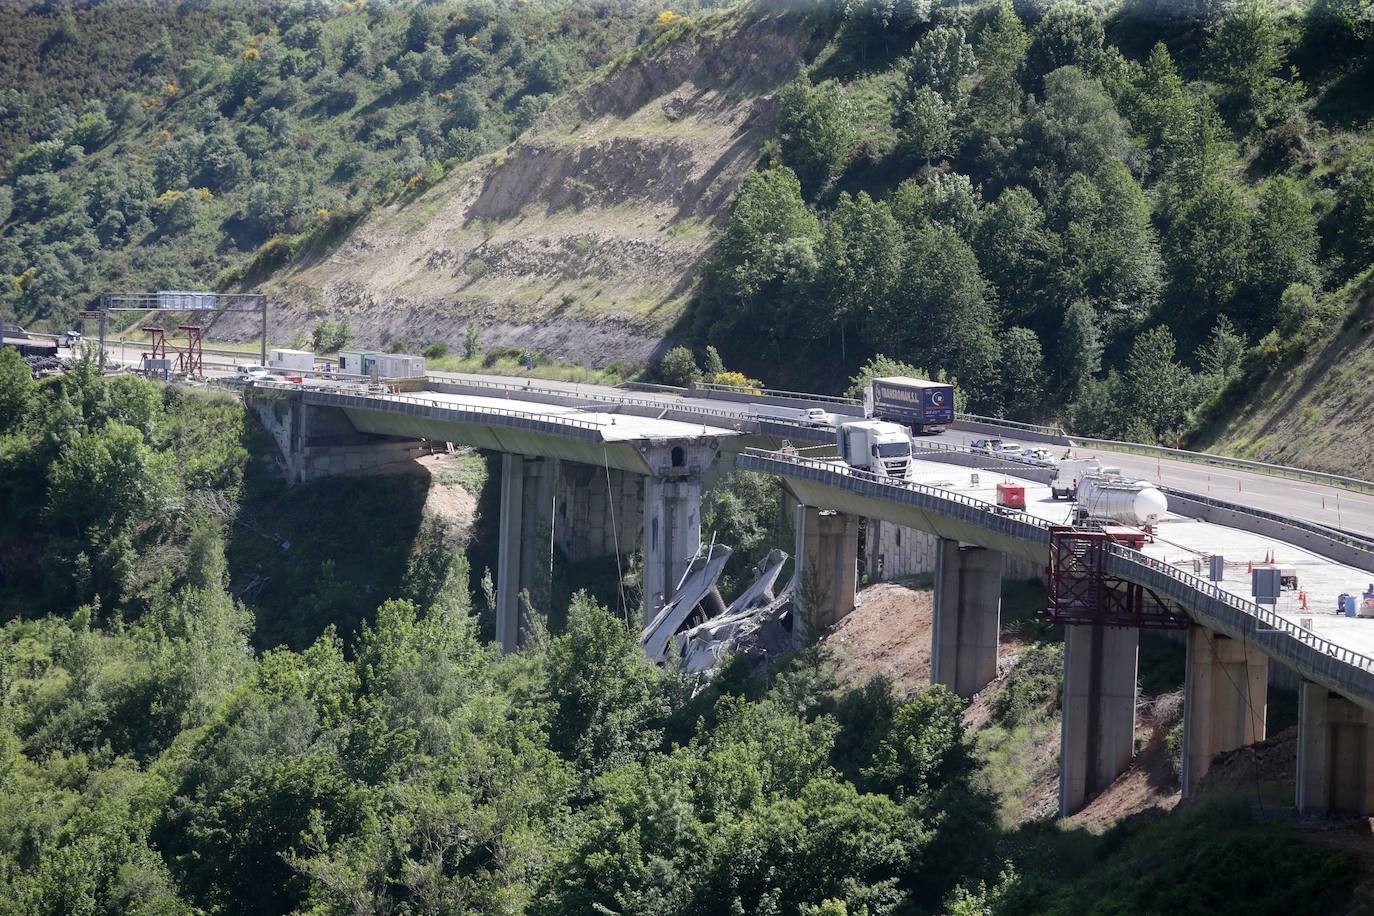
x=777 y=393
x=1012 y=424
x=1183 y=585
x=1243 y=464
x=1336 y=534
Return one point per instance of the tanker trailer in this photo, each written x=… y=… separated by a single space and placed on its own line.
x=1121 y=499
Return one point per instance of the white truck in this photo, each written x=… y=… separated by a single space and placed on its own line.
x=807 y=416
x=1068 y=472
x=876 y=446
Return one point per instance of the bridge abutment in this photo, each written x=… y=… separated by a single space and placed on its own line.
x=316 y=441
x=525 y=553
x=1097 y=738
x=968 y=609
x=1335 y=754
x=828 y=553
x=1225 y=698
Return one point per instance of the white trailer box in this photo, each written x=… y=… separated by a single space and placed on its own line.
x=400 y=365
x=291 y=360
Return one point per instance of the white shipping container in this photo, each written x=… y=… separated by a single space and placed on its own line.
x=400 y=365
x=293 y=360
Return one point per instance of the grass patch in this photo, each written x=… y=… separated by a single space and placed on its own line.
x=511 y=362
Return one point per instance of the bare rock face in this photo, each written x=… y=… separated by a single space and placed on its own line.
x=584 y=238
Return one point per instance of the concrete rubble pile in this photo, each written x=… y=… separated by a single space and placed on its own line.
x=757 y=622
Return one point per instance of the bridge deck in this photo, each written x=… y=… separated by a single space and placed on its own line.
x=614 y=427
x=1185 y=543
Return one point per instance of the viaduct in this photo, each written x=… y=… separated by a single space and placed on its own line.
x=600 y=470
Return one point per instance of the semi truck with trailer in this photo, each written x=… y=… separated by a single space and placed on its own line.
x=922 y=406
x=881 y=448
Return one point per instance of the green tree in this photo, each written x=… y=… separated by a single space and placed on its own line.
x=1156 y=391
x=816 y=131
x=1001 y=47
x=941 y=61
x=1244 y=51
x=1015 y=251
x=925 y=125
x=1079 y=349
x=1023 y=374
x=607 y=700
x=16 y=388
x=1207 y=250
x=678 y=367
x=1068 y=37
x=1076 y=129
x=942 y=316
x=1283 y=247
x=860 y=257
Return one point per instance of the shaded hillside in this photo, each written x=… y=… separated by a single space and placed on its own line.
x=582 y=239
x=1320 y=413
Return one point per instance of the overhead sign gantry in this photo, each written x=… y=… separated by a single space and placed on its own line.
x=181 y=301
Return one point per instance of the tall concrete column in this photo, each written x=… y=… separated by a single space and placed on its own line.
x=525 y=556
x=1335 y=763
x=1225 y=696
x=1097 y=738
x=672 y=536
x=828 y=554
x=968 y=616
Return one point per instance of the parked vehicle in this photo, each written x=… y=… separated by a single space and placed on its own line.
x=1068 y=472
x=1121 y=499
x=253 y=374
x=1037 y=454
x=808 y=416
x=876 y=446
x=922 y=406
x=989 y=446
x=1008 y=450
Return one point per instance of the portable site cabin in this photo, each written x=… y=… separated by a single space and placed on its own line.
x=354 y=362
x=399 y=365
x=291 y=360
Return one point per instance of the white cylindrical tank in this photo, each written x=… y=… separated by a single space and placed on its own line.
x=1134 y=502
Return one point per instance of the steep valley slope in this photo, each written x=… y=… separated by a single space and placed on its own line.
x=583 y=238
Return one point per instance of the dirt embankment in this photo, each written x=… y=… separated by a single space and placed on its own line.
x=584 y=238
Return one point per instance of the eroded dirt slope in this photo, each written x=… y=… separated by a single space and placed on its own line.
x=583 y=238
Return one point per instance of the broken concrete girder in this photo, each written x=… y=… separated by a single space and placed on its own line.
x=700 y=579
x=753 y=620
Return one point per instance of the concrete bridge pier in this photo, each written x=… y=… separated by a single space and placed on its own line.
x=525 y=552
x=968 y=612
x=1097 y=739
x=1335 y=754
x=828 y=553
x=672 y=514
x=1225 y=698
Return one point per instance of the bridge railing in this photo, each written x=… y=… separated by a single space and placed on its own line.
x=1258 y=612
x=372 y=400
x=594 y=397
x=1185 y=587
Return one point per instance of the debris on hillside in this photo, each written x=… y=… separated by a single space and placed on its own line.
x=1271 y=762
x=704 y=631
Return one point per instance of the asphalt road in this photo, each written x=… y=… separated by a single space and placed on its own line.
x=1327 y=505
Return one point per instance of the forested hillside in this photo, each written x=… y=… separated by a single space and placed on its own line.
x=155 y=146
x=1125 y=218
